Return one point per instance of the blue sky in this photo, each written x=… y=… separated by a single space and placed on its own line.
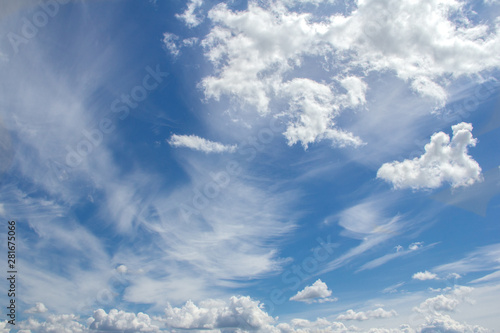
x=267 y=166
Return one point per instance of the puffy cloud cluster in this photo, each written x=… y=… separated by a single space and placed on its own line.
x=376 y=314
x=253 y=49
x=443 y=161
x=122 y=321
x=258 y=53
x=239 y=312
x=445 y=302
x=189 y=16
x=38 y=308
x=316 y=293
x=197 y=143
x=3 y=327
x=319 y=325
x=446 y=324
x=64 y=323
x=242 y=314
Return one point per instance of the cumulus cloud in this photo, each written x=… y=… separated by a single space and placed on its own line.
x=445 y=324
x=253 y=49
x=170 y=42
x=65 y=323
x=260 y=54
x=445 y=302
x=189 y=17
x=319 y=325
x=313 y=109
x=360 y=316
x=118 y=320
x=239 y=312
x=316 y=293
x=436 y=321
x=443 y=161
x=3 y=326
x=415 y=246
x=197 y=143
x=122 y=269
x=424 y=276
x=38 y=308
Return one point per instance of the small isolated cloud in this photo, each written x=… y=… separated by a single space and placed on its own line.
x=393 y=289
x=317 y=293
x=38 y=308
x=170 y=42
x=197 y=143
x=371 y=314
x=443 y=161
x=422 y=276
x=189 y=17
x=415 y=246
x=122 y=269
x=122 y=321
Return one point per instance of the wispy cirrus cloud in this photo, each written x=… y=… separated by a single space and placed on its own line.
x=201 y=144
x=370 y=314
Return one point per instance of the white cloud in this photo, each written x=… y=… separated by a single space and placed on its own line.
x=484 y=258
x=319 y=325
x=424 y=276
x=118 y=320
x=489 y=277
x=312 y=109
x=122 y=269
x=189 y=17
x=262 y=53
x=360 y=316
x=3 y=326
x=391 y=256
x=445 y=324
x=443 y=161
x=316 y=293
x=239 y=312
x=415 y=246
x=65 y=323
x=393 y=288
x=367 y=222
x=170 y=42
x=445 y=302
x=260 y=45
x=38 y=308
x=197 y=143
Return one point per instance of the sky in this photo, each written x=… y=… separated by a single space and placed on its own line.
x=277 y=166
